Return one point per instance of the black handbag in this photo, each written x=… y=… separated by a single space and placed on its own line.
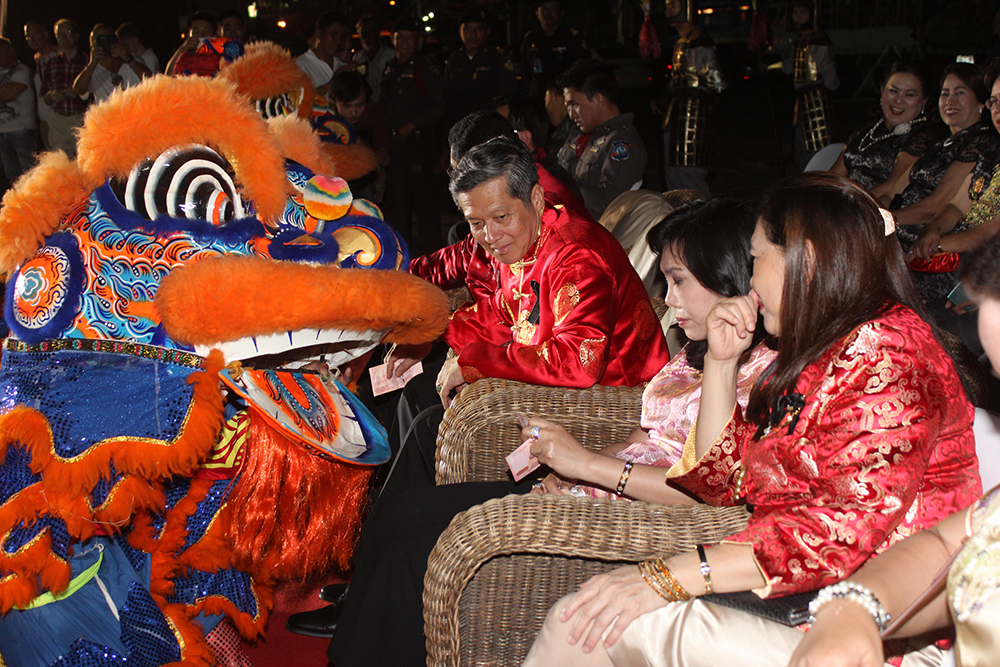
x=791 y=610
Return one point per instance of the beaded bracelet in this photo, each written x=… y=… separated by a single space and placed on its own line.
x=705 y=569
x=620 y=489
x=856 y=593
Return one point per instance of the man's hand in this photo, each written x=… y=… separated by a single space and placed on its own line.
x=404 y=356
x=450 y=379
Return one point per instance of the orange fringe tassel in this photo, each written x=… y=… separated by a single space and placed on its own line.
x=267 y=70
x=318 y=513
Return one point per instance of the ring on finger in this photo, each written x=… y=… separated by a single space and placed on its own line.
x=439 y=387
x=535 y=430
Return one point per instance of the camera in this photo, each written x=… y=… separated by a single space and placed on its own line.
x=105 y=42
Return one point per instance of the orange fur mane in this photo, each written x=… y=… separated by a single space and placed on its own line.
x=267 y=70
x=165 y=112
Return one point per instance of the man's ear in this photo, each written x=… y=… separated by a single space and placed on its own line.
x=538 y=198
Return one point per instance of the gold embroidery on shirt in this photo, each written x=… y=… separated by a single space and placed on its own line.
x=566 y=299
x=534 y=356
x=644 y=320
x=592 y=356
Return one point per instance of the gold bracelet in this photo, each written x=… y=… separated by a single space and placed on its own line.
x=620 y=489
x=668 y=577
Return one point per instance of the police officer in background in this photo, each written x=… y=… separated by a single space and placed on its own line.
x=477 y=73
x=550 y=49
x=413 y=101
x=604 y=155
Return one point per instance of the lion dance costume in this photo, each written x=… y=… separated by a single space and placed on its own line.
x=170 y=448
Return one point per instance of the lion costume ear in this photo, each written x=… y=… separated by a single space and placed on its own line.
x=36 y=206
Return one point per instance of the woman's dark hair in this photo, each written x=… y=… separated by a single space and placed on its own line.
x=841 y=270
x=992 y=71
x=972 y=76
x=526 y=113
x=906 y=67
x=981 y=268
x=712 y=238
x=347 y=86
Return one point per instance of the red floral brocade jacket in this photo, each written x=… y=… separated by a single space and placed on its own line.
x=882 y=449
x=572 y=314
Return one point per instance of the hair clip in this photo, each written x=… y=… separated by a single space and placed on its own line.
x=888 y=220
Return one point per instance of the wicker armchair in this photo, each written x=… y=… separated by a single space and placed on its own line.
x=499 y=566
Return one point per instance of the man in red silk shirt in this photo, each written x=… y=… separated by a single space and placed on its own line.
x=556 y=301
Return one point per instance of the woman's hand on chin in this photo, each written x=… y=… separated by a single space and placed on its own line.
x=730 y=326
x=613 y=599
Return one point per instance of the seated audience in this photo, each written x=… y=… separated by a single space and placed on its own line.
x=705 y=256
x=604 y=154
x=107 y=70
x=846 y=629
x=18 y=127
x=886 y=149
x=971 y=216
x=135 y=53
x=936 y=176
x=858 y=435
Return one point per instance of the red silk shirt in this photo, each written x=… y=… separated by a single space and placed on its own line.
x=882 y=449
x=573 y=313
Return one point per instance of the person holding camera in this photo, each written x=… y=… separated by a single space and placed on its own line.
x=107 y=69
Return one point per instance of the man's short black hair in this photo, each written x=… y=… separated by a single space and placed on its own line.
x=498 y=157
x=591 y=77
x=347 y=86
x=526 y=113
x=477 y=128
x=203 y=16
x=327 y=19
x=231 y=14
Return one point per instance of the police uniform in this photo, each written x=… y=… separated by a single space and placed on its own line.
x=545 y=58
x=473 y=83
x=605 y=163
x=412 y=91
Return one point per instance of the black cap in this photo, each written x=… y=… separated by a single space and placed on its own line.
x=475 y=15
x=406 y=24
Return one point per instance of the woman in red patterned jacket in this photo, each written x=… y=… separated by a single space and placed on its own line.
x=858 y=435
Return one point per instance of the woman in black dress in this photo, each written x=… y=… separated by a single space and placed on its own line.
x=886 y=149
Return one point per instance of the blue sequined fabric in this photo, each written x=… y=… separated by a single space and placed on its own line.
x=22 y=534
x=233 y=585
x=145 y=632
x=91 y=396
x=88 y=654
x=198 y=523
x=15 y=473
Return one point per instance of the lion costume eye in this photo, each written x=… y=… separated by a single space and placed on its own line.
x=192 y=182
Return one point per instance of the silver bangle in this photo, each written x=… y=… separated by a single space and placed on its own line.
x=849 y=590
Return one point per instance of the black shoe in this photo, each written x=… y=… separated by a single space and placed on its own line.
x=317 y=623
x=332 y=592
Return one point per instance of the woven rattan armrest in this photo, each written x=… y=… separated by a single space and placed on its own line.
x=480 y=428
x=510 y=602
